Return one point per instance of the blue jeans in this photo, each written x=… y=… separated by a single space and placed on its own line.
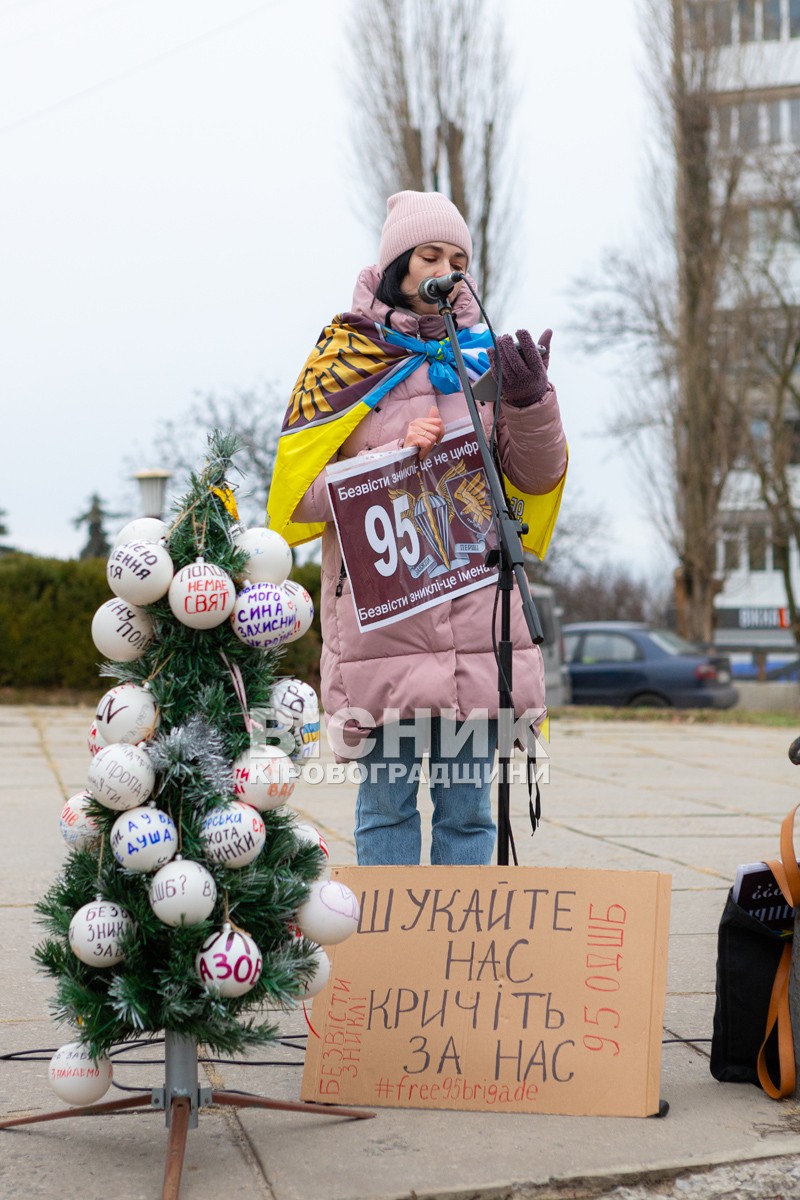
x=387 y=819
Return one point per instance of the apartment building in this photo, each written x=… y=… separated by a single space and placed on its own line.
x=756 y=121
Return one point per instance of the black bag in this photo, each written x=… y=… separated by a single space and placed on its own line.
x=752 y=1041
x=748 y=956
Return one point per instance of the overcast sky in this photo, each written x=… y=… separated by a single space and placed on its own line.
x=177 y=216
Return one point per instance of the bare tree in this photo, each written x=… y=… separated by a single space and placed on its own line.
x=574 y=549
x=705 y=438
x=254 y=416
x=433 y=98
x=762 y=356
x=606 y=591
x=674 y=303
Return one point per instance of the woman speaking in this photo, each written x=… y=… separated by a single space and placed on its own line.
x=380 y=379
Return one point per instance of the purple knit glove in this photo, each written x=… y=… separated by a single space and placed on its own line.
x=524 y=370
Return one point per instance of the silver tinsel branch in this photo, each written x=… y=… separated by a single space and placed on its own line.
x=189 y=749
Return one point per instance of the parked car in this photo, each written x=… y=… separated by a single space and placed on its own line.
x=626 y=663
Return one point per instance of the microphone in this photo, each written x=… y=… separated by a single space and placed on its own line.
x=433 y=289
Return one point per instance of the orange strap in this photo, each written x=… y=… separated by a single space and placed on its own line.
x=787 y=876
x=785 y=869
x=779 y=1015
x=789 y=858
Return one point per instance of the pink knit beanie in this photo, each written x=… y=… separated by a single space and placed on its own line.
x=416 y=217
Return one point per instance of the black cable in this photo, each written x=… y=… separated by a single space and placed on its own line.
x=294 y=1041
x=684 y=1041
x=504 y=683
x=498 y=363
x=27 y=1056
x=493 y=451
x=44 y=1055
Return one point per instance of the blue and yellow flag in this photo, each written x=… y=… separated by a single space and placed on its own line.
x=354 y=364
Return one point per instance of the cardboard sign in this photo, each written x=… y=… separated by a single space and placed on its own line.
x=413 y=534
x=496 y=989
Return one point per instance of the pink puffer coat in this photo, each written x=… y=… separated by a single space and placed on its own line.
x=440 y=658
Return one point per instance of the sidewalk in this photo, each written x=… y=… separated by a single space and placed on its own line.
x=692 y=801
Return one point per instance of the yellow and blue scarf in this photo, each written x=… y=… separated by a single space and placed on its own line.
x=354 y=364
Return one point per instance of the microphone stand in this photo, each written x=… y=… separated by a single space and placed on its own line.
x=509 y=559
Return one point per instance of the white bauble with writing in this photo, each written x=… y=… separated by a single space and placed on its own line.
x=229 y=962
x=139 y=572
x=264 y=778
x=269 y=556
x=143 y=839
x=305 y=608
x=78 y=829
x=264 y=615
x=142 y=529
x=76 y=1077
x=95 y=740
x=293 y=703
x=294 y=706
x=306 y=833
x=233 y=835
x=202 y=595
x=97 y=931
x=322 y=973
x=182 y=893
x=330 y=914
x=126 y=713
x=122 y=631
x=121 y=776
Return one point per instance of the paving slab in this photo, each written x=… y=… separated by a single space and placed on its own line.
x=689 y=800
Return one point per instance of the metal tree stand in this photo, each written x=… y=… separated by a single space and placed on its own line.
x=180 y=1098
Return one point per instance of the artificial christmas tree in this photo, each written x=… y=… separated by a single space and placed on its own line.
x=176 y=909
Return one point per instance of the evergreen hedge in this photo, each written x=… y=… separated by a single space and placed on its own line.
x=46 y=610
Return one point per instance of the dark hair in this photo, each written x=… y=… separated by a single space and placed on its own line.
x=390 y=290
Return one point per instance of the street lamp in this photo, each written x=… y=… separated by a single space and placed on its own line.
x=152 y=490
